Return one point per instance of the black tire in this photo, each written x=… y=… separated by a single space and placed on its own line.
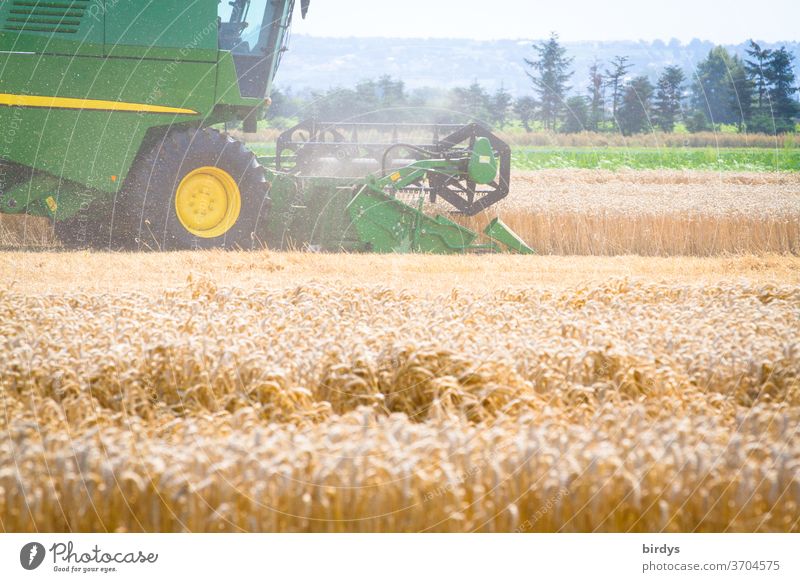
x=145 y=216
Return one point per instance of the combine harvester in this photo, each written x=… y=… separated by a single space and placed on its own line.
x=107 y=111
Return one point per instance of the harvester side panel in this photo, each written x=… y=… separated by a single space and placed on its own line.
x=84 y=133
x=162 y=30
x=66 y=28
x=83 y=119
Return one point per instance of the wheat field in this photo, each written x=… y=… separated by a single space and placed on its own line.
x=652 y=213
x=599 y=212
x=641 y=374
x=291 y=392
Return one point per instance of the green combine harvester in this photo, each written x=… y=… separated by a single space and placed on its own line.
x=107 y=111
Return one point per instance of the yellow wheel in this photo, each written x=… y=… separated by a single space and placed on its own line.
x=193 y=188
x=208 y=202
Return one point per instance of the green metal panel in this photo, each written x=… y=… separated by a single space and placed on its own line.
x=68 y=27
x=30 y=196
x=482 y=166
x=96 y=147
x=89 y=146
x=388 y=225
x=498 y=231
x=163 y=29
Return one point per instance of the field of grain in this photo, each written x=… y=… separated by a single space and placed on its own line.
x=641 y=374
x=601 y=212
x=291 y=392
x=652 y=213
x=22 y=231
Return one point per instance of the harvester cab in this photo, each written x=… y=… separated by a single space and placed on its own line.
x=108 y=117
x=255 y=32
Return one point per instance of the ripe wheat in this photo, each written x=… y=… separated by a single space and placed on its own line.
x=652 y=213
x=596 y=212
x=622 y=406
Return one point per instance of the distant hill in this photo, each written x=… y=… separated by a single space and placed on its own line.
x=321 y=63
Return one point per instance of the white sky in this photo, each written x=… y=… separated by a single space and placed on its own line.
x=722 y=21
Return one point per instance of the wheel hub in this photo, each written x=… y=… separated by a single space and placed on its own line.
x=208 y=202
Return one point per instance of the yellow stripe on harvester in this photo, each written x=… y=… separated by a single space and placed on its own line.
x=90 y=104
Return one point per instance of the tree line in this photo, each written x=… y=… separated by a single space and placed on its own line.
x=754 y=94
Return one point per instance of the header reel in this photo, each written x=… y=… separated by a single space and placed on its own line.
x=476 y=174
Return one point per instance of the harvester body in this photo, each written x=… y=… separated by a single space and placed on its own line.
x=107 y=111
x=82 y=82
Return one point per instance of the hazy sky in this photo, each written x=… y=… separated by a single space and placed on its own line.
x=723 y=21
